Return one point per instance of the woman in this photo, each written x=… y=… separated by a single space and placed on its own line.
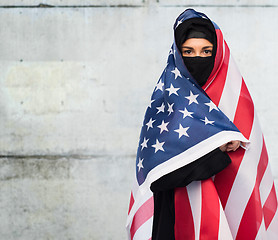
x=200 y=114
x=196 y=41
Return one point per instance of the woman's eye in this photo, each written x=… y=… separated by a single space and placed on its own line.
x=187 y=52
x=207 y=51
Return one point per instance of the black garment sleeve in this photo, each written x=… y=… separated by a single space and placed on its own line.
x=202 y=168
x=164 y=216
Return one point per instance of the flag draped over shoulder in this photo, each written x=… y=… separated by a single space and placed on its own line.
x=183 y=122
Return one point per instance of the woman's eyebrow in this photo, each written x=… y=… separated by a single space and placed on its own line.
x=193 y=48
x=188 y=47
x=207 y=47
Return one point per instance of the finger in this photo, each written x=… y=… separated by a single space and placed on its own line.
x=233 y=145
x=223 y=148
x=236 y=145
x=229 y=148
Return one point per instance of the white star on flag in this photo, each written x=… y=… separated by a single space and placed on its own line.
x=186 y=113
x=150 y=123
x=172 y=90
x=176 y=72
x=211 y=106
x=163 y=126
x=182 y=131
x=161 y=108
x=150 y=104
x=158 y=146
x=144 y=143
x=192 y=98
x=170 y=108
x=178 y=23
x=206 y=121
x=159 y=86
x=171 y=51
x=140 y=164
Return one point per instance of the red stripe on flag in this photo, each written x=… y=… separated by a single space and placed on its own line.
x=224 y=180
x=245 y=112
x=263 y=163
x=243 y=120
x=131 y=202
x=252 y=217
x=219 y=54
x=184 y=223
x=216 y=88
x=143 y=214
x=210 y=211
x=270 y=207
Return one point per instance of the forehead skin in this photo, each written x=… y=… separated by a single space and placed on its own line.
x=196 y=43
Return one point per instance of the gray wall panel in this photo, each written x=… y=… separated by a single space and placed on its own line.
x=74 y=85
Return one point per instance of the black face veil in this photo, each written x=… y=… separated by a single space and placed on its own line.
x=199 y=67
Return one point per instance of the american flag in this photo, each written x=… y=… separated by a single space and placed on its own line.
x=184 y=122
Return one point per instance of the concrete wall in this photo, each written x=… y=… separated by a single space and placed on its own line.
x=75 y=81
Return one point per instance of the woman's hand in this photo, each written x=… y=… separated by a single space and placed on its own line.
x=231 y=146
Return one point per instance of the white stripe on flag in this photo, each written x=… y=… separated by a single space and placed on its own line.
x=224 y=229
x=266 y=184
x=231 y=92
x=139 y=199
x=244 y=183
x=194 y=191
x=145 y=231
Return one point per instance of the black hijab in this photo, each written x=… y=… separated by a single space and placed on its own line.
x=199 y=67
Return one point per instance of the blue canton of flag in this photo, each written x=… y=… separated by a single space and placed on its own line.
x=180 y=115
